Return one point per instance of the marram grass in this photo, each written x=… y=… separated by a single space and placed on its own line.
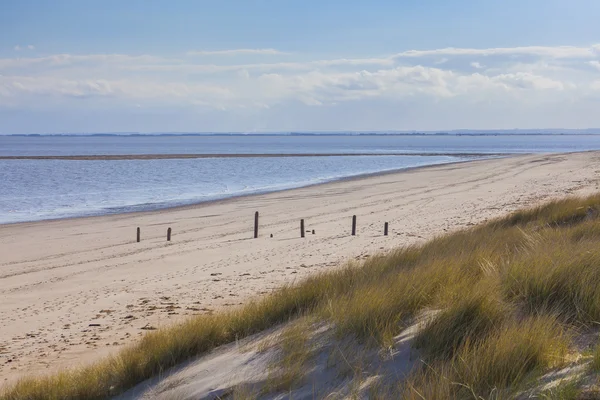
x=507 y=294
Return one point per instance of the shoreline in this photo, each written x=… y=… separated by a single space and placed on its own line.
x=76 y=290
x=194 y=204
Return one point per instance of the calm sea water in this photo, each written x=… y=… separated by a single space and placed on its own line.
x=81 y=145
x=47 y=189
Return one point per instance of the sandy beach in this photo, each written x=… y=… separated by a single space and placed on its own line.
x=75 y=290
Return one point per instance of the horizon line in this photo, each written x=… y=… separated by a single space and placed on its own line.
x=473 y=132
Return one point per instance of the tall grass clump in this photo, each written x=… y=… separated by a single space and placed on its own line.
x=470 y=319
x=486 y=367
x=557 y=275
x=500 y=298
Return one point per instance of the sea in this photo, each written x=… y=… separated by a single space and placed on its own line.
x=41 y=189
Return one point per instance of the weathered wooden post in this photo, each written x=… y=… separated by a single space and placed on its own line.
x=138 y=234
x=354 y=225
x=256 y=225
x=385 y=229
x=301 y=228
x=169 y=235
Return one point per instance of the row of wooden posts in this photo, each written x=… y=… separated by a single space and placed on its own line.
x=302 y=230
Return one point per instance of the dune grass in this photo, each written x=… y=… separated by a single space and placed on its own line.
x=293 y=353
x=565 y=391
x=595 y=366
x=508 y=293
x=487 y=365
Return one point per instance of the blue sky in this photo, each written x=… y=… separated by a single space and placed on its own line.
x=196 y=66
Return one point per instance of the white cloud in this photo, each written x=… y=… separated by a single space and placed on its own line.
x=541 y=51
x=124 y=89
x=525 y=80
x=244 y=74
x=401 y=83
x=148 y=80
x=264 y=67
x=236 y=52
x=28 y=47
x=160 y=64
x=18 y=85
x=58 y=60
x=595 y=64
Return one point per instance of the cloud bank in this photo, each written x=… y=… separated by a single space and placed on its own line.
x=494 y=80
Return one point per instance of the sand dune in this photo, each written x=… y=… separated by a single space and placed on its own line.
x=75 y=290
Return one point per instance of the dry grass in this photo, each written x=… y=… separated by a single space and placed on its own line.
x=241 y=392
x=565 y=391
x=595 y=365
x=508 y=292
x=165 y=348
x=469 y=319
x=294 y=350
x=486 y=367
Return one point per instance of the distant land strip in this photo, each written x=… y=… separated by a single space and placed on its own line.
x=92 y=157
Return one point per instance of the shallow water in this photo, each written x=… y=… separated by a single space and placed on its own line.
x=46 y=189
x=42 y=189
x=82 y=145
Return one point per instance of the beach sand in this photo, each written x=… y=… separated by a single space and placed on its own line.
x=78 y=289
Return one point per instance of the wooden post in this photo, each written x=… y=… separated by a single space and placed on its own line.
x=169 y=235
x=138 y=234
x=354 y=225
x=256 y=225
x=301 y=228
x=385 y=229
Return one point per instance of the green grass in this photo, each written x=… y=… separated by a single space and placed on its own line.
x=507 y=294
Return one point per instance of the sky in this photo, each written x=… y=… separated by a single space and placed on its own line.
x=74 y=66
